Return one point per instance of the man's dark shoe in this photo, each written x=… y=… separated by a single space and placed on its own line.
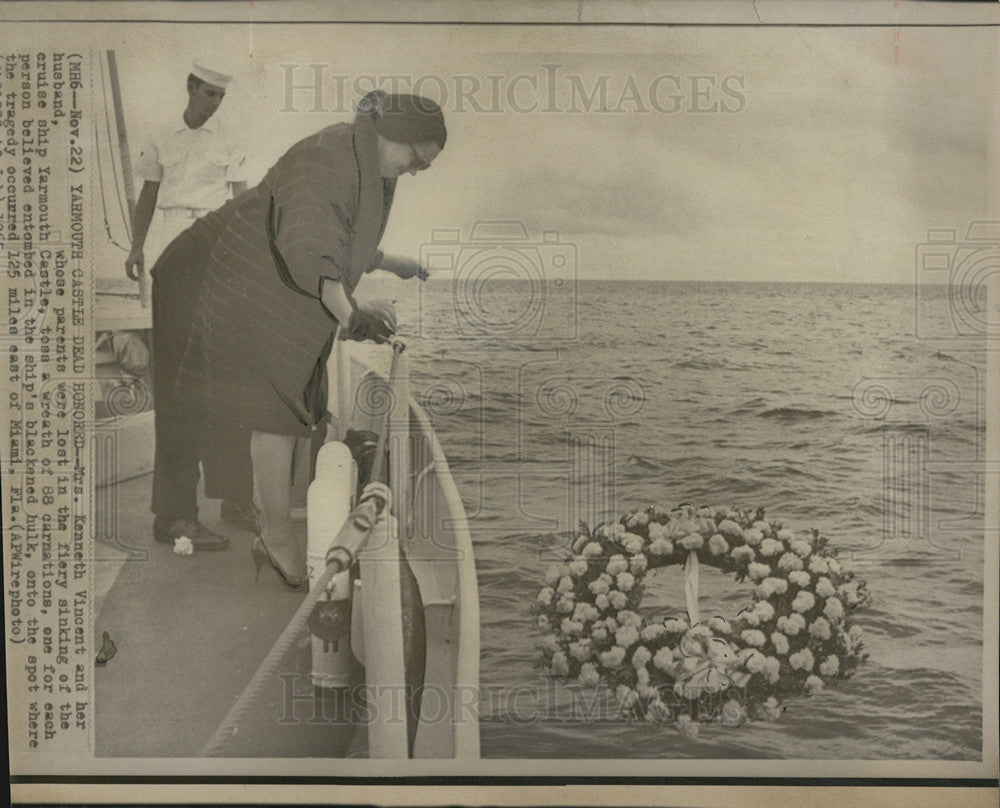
x=201 y=537
x=244 y=515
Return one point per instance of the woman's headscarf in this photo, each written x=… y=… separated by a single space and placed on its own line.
x=404 y=118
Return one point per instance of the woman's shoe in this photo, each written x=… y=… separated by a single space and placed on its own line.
x=261 y=556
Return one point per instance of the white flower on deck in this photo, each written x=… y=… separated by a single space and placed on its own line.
x=743 y=554
x=599 y=634
x=602 y=602
x=753 y=637
x=565 y=585
x=545 y=596
x=753 y=537
x=834 y=565
x=625 y=581
x=619 y=600
x=183 y=546
x=580 y=650
x=578 y=568
x=780 y=643
x=803 y=602
x=580 y=542
x=762 y=526
x=720 y=625
x=786 y=535
x=593 y=549
x=584 y=612
x=572 y=627
x=755 y=663
x=763 y=610
x=637 y=564
x=814 y=684
x=772 y=669
x=758 y=572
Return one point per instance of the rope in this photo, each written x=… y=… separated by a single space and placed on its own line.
x=265 y=673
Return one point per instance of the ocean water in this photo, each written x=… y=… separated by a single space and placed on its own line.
x=828 y=404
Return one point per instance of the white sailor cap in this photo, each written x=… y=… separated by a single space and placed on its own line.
x=209 y=72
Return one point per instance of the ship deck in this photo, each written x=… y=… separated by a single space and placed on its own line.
x=189 y=633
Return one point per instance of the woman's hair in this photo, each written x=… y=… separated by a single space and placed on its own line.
x=404 y=118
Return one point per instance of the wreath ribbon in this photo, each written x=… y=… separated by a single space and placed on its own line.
x=691 y=587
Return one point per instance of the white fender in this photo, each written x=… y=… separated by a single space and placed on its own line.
x=329 y=501
x=385 y=673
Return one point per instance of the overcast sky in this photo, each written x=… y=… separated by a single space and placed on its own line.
x=839 y=149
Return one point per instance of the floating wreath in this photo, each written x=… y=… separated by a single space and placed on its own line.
x=794 y=635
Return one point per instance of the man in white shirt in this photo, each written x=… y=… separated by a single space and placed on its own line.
x=190 y=167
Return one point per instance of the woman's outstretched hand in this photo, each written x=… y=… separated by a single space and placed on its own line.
x=404 y=268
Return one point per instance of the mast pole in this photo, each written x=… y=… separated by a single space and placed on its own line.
x=126 y=163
